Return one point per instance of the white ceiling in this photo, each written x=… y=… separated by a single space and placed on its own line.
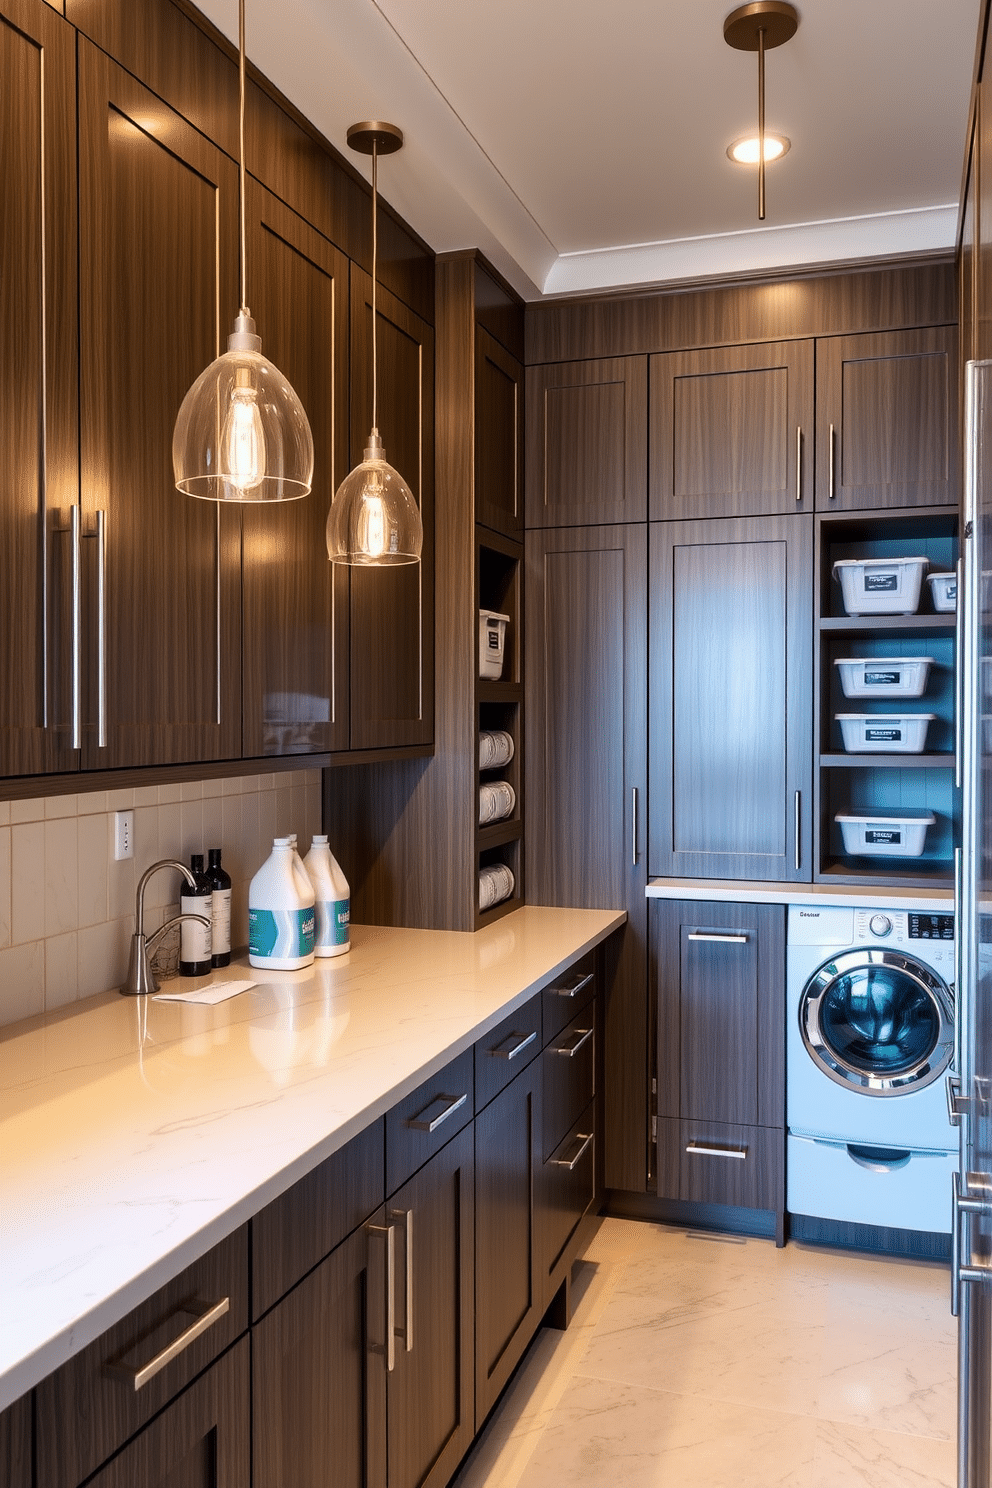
x=581 y=144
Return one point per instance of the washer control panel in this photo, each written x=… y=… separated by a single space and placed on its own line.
x=917 y=932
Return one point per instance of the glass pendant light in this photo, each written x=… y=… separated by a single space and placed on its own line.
x=242 y=433
x=374 y=519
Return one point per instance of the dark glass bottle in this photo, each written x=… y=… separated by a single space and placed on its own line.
x=220 y=886
x=194 y=939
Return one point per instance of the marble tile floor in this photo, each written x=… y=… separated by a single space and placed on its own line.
x=719 y=1363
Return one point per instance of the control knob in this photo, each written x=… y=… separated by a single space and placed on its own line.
x=880 y=924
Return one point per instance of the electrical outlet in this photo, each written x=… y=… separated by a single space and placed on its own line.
x=123 y=835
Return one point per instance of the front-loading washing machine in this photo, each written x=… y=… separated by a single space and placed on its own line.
x=870 y=1008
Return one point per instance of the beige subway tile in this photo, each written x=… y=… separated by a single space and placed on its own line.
x=267 y=782
x=191 y=790
x=61 y=876
x=91 y=802
x=232 y=834
x=4 y=886
x=27 y=811
x=56 y=806
x=22 y=981
x=120 y=800
x=146 y=795
x=251 y=829
x=268 y=826
x=191 y=828
x=169 y=794
x=213 y=823
x=4 y=813
x=102 y=956
x=27 y=882
x=213 y=787
x=146 y=841
x=122 y=880
x=170 y=837
x=92 y=858
x=232 y=785
x=249 y=784
x=61 y=973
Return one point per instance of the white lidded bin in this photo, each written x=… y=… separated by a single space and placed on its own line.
x=881 y=586
x=943 y=592
x=492 y=636
x=884 y=676
x=884 y=733
x=887 y=835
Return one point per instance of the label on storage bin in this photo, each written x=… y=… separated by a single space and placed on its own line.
x=285 y=933
x=879 y=583
x=333 y=921
x=492 y=637
x=881 y=837
x=882 y=679
x=883 y=735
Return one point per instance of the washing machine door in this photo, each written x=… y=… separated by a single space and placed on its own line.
x=878 y=1022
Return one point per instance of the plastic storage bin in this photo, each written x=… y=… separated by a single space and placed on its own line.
x=881 y=586
x=885 y=733
x=492 y=635
x=943 y=592
x=888 y=835
x=884 y=676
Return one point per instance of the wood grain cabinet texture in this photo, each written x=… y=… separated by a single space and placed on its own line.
x=16 y=1456
x=718 y=986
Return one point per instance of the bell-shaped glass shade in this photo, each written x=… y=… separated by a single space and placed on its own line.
x=373 y=518
x=242 y=433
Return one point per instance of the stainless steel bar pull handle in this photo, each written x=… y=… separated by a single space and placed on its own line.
x=509 y=1050
x=700 y=1149
x=963 y=1204
x=571 y=1163
x=799 y=462
x=633 y=829
x=723 y=937
x=426 y=1123
x=581 y=1036
x=406 y=1215
x=77 y=625
x=387 y=1233
x=574 y=988
x=959 y=987
x=832 y=483
x=204 y=1314
x=958 y=688
x=798 y=829
x=101 y=629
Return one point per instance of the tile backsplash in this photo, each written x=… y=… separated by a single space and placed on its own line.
x=67 y=908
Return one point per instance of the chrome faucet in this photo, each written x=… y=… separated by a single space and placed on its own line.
x=140 y=977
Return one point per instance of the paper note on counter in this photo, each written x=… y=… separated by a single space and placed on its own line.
x=216 y=992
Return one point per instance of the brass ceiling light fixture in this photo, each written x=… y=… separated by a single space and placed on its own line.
x=374 y=519
x=242 y=433
x=759 y=27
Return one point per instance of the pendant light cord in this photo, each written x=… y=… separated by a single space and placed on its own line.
x=375 y=257
x=761 y=124
x=241 y=156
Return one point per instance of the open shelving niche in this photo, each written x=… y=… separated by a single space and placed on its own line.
x=499 y=705
x=847 y=782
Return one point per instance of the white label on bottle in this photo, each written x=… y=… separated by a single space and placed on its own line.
x=194 y=938
x=220 y=904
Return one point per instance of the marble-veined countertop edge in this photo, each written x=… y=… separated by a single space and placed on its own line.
x=136 y=1135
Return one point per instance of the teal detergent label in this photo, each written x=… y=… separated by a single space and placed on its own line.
x=333 y=921
x=283 y=934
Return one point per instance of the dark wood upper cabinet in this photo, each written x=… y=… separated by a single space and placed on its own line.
x=499 y=445
x=295 y=600
x=38 y=408
x=392 y=609
x=731 y=690
x=887 y=419
x=158 y=281
x=586 y=442
x=731 y=431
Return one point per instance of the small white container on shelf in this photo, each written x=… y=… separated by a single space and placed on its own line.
x=943 y=592
x=884 y=733
x=881 y=586
x=492 y=636
x=884 y=676
x=496 y=801
x=496 y=883
x=888 y=834
x=495 y=749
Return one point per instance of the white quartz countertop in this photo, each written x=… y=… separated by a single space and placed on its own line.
x=134 y=1134
x=747 y=891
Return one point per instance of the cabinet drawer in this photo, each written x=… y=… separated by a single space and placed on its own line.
x=503 y=1053
x=568 y=1184
x=419 y=1126
x=568 y=1077
x=711 y=1163
x=293 y=1233
x=567 y=995
x=90 y=1406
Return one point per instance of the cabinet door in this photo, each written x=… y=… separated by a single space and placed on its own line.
x=507 y=1282
x=295 y=599
x=887 y=419
x=586 y=446
x=732 y=431
x=499 y=445
x=585 y=764
x=202 y=1440
x=430 y=1393
x=731 y=714
x=15 y=1444
x=38 y=407
x=318 y=1382
x=392 y=609
x=158 y=279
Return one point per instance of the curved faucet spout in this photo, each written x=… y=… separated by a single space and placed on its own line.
x=140 y=978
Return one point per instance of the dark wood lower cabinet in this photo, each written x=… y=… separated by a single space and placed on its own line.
x=16 y=1467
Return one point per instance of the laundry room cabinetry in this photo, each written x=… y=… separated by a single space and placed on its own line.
x=718 y=996
x=15 y=1444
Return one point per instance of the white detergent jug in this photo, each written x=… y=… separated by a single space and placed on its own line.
x=280 y=913
x=333 y=906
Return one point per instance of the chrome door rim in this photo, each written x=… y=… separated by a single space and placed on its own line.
x=904 y=1082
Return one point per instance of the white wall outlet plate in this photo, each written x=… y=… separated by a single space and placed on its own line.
x=123 y=835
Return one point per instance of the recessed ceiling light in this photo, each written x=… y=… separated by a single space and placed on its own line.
x=745 y=151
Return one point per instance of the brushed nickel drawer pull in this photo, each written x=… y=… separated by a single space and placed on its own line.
x=699 y=1149
x=387 y=1233
x=455 y=1103
x=799 y=462
x=832 y=491
x=406 y=1215
x=581 y=1036
x=575 y=988
x=722 y=939
x=76 y=662
x=584 y=1139
x=205 y=1315
x=524 y=1041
